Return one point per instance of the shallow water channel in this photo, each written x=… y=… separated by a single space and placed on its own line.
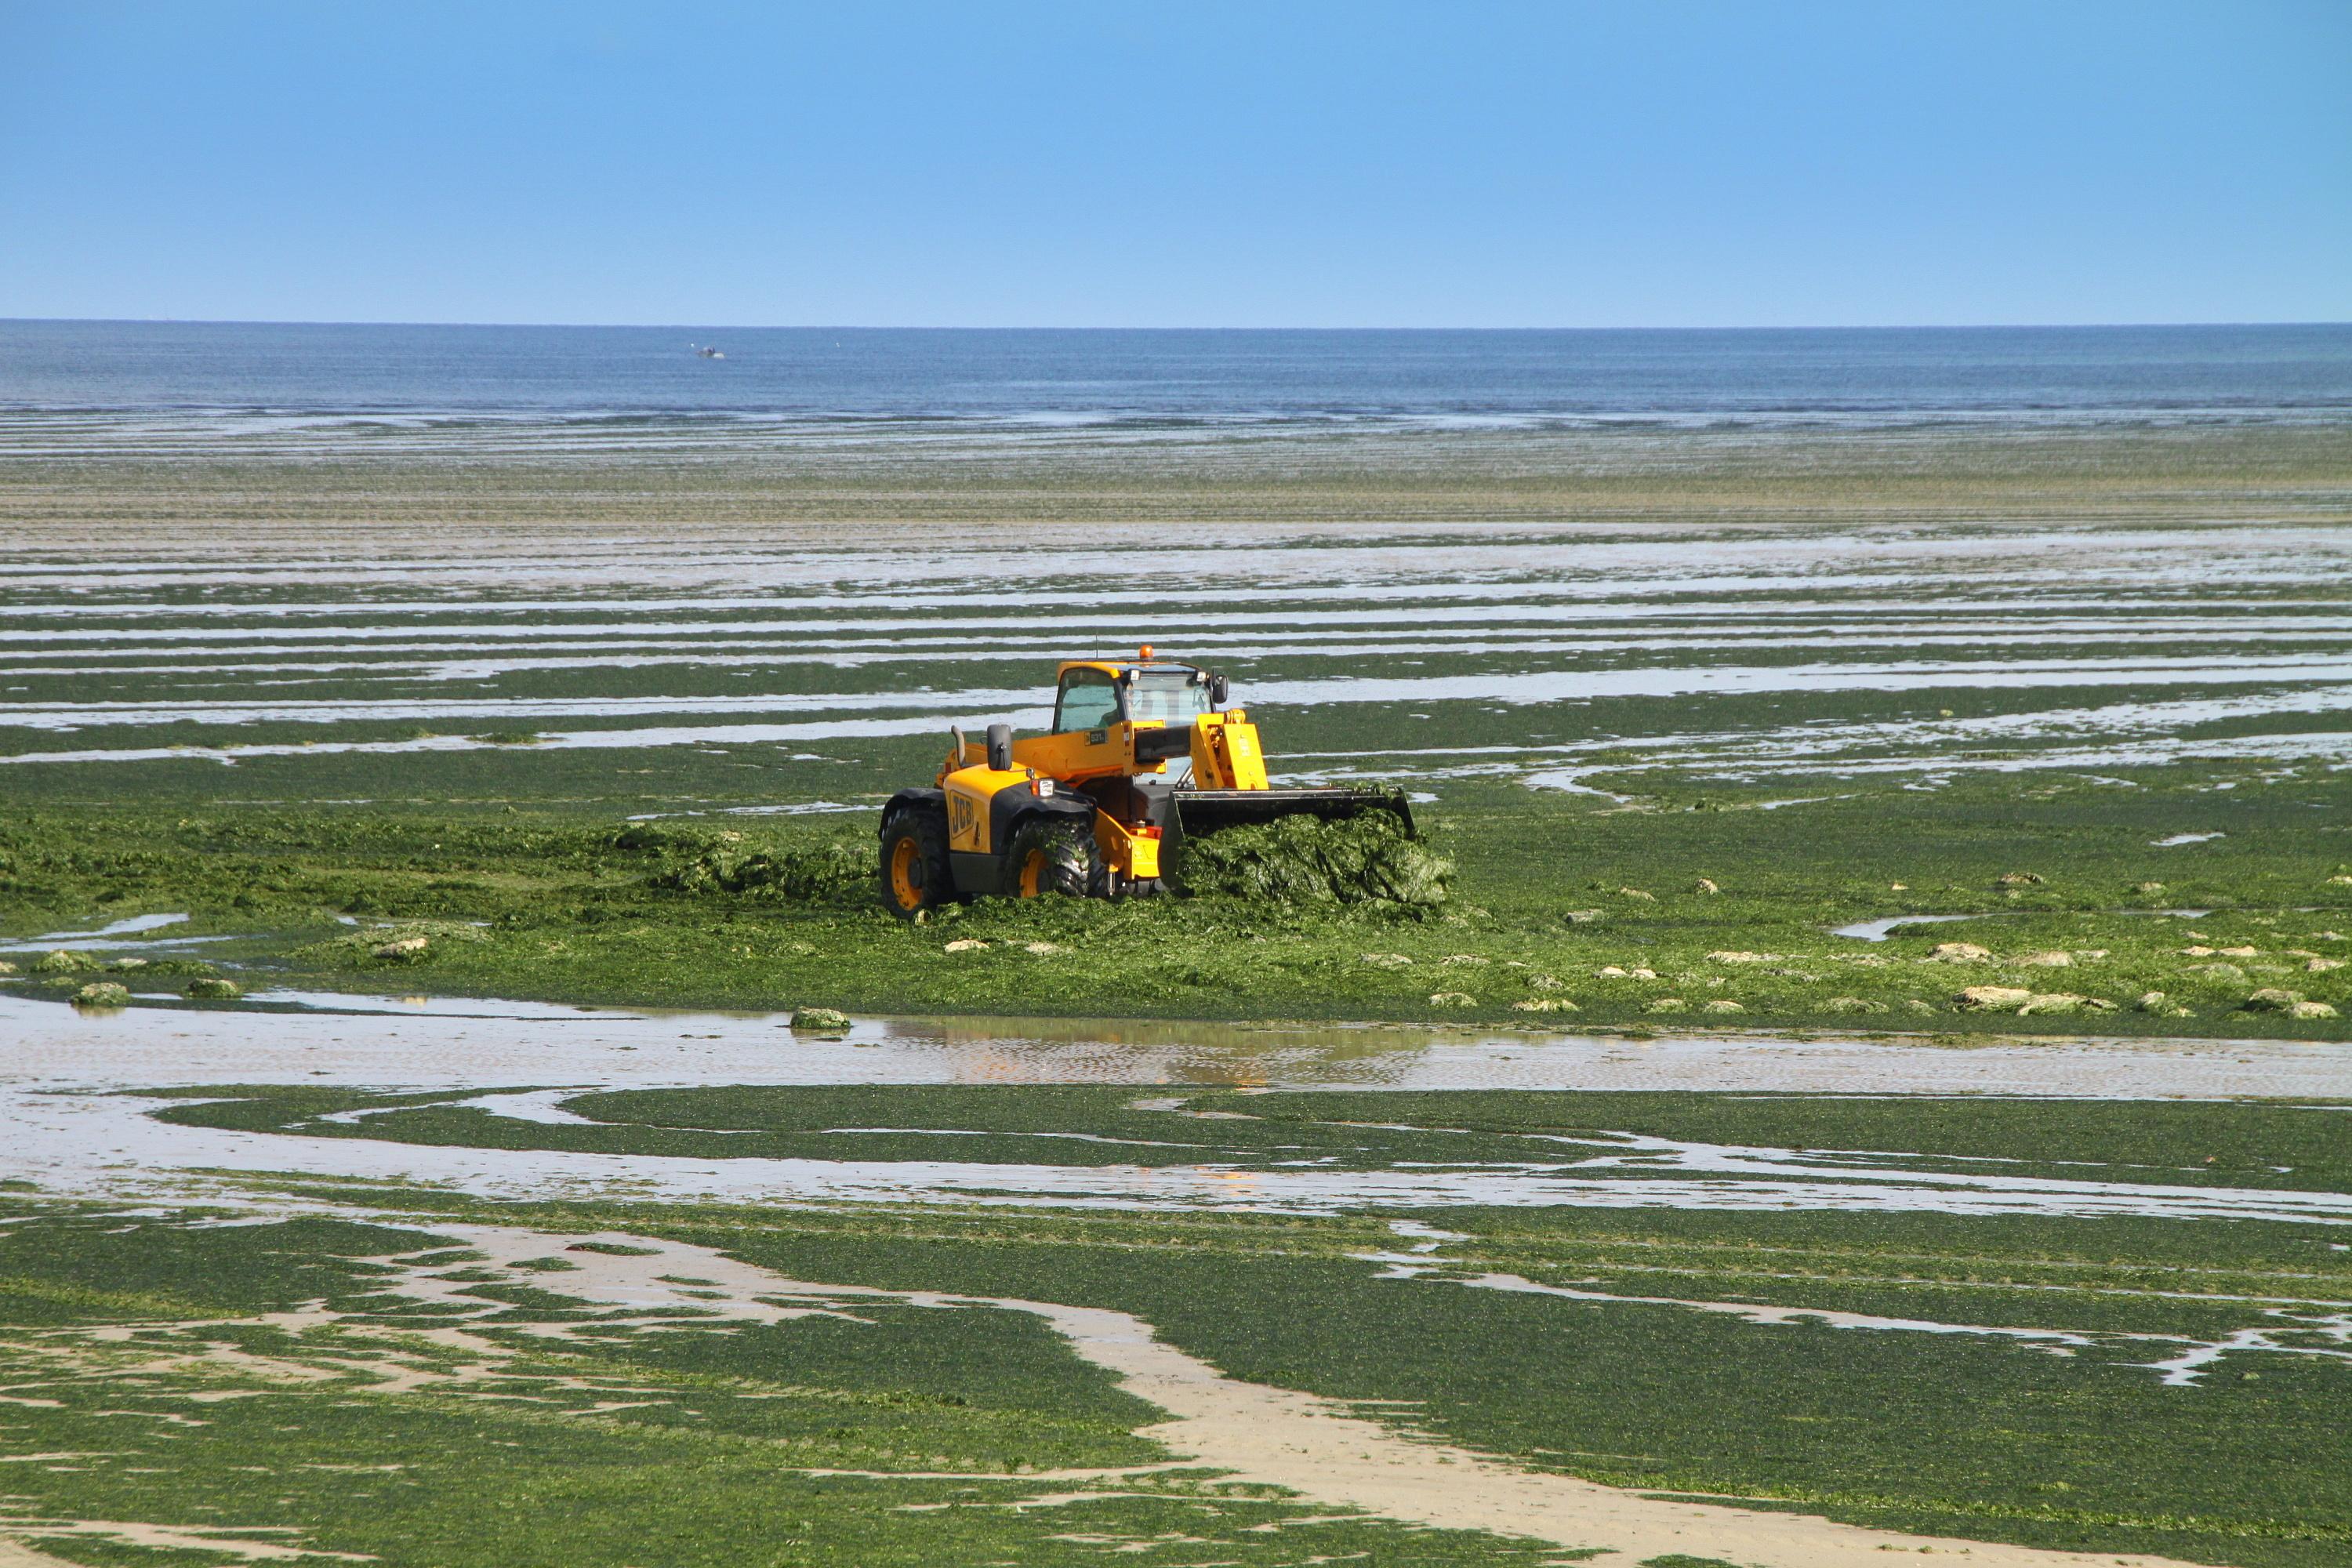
x=393 y=1041
x=73 y=1121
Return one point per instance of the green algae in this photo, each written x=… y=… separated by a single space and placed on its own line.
x=827 y=870
x=564 y=906
x=1368 y=859
x=898 y=1435
x=1958 y=1433
x=2286 y=1146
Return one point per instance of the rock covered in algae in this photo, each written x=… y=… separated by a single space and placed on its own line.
x=1852 y=1004
x=213 y=989
x=2051 y=1001
x=818 y=1021
x=1370 y=859
x=63 y=962
x=102 y=993
x=2289 y=1003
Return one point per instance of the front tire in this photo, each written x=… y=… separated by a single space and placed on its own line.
x=914 y=872
x=1049 y=854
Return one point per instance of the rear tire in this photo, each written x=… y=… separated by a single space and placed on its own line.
x=1049 y=854
x=914 y=872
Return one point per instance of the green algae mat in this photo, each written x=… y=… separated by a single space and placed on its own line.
x=1827 y=1325
x=2055 y=912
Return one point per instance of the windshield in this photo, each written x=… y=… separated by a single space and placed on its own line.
x=1173 y=695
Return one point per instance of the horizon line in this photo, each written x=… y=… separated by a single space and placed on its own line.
x=856 y=327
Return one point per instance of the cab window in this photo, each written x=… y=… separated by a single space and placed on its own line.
x=1088 y=702
x=1175 y=696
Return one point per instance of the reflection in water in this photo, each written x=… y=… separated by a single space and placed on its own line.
x=439 y=1043
x=107 y=1143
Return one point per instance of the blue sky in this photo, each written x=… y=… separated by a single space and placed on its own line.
x=1202 y=164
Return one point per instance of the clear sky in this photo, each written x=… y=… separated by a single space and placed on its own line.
x=1274 y=162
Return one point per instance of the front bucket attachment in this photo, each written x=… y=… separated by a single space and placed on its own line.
x=1207 y=810
x=1201 y=812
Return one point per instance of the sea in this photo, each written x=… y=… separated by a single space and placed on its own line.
x=67 y=385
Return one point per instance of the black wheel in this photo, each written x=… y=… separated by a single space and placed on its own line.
x=1050 y=855
x=915 y=875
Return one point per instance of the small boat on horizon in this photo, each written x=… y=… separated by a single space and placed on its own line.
x=706 y=351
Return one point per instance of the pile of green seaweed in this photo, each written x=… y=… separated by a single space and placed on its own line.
x=821 y=872
x=1368 y=859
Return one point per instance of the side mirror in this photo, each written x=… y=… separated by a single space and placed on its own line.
x=1000 y=747
x=1220 y=689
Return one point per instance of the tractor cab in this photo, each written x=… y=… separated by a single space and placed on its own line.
x=1095 y=694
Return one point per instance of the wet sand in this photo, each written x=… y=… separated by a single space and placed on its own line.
x=346 y=645
x=107 y=472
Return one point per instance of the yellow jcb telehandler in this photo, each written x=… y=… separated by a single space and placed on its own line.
x=1091 y=809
